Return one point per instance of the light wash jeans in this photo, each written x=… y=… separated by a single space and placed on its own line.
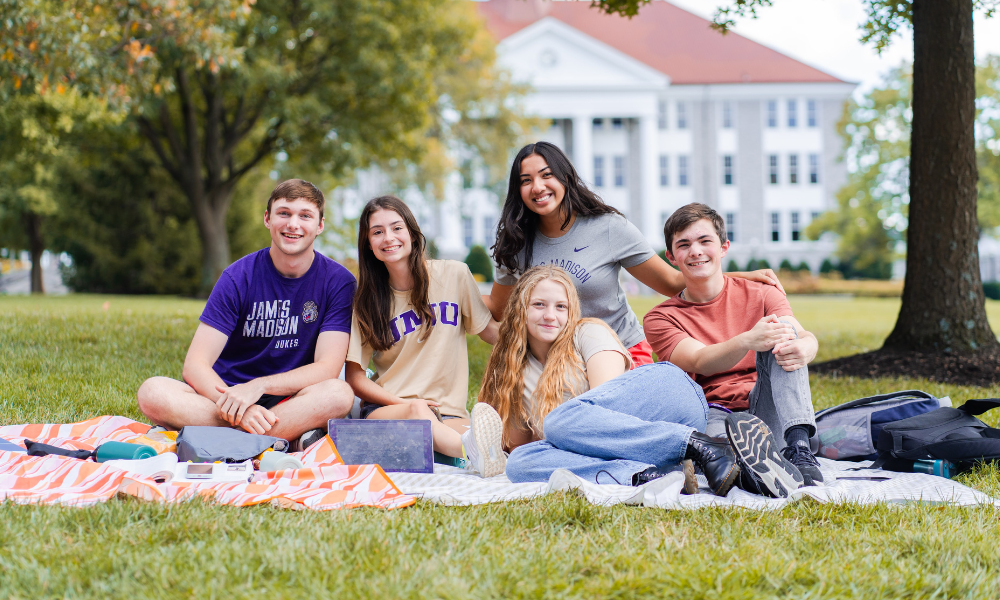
x=640 y=419
x=780 y=398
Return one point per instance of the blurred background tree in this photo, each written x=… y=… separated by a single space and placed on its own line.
x=221 y=89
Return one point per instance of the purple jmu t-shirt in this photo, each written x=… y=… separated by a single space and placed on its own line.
x=272 y=321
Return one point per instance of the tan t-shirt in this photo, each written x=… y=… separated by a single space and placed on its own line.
x=437 y=368
x=588 y=340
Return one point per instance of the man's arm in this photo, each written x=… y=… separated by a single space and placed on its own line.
x=799 y=352
x=695 y=357
x=331 y=350
x=205 y=348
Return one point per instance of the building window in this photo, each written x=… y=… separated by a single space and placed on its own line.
x=793 y=113
x=598 y=171
x=772 y=113
x=772 y=169
x=616 y=123
x=795 y=226
x=489 y=230
x=793 y=168
x=731 y=227
x=775 y=227
x=467 y=231
x=682 y=170
x=727 y=115
x=814 y=215
x=661 y=114
x=598 y=123
x=811 y=113
x=664 y=180
x=814 y=168
x=619 y=171
x=682 y=118
x=727 y=170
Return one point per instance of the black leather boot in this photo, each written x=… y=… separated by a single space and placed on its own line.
x=716 y=459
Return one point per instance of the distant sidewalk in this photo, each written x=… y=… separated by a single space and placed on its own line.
x=19 y=282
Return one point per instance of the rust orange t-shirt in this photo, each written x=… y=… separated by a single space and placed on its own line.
x=735 y=310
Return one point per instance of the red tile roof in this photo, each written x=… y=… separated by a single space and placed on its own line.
x=667 y=38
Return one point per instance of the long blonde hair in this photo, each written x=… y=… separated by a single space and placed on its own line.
x=503 y=381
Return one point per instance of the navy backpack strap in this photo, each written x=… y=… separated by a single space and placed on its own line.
x=978 y=407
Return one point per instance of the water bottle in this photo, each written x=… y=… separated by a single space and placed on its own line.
x=941 y=468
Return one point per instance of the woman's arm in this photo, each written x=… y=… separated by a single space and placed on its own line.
x=369 y=391
x=497 y=300
x=605 y=366
x=765 y=276
x=660 y=276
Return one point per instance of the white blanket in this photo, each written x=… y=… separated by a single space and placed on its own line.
x=456 y=487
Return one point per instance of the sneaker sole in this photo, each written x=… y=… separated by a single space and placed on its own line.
x=487 y=427
x=757 y=452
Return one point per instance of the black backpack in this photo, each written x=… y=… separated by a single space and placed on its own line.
x=952 y=434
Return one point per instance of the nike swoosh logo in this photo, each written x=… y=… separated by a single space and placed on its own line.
x=578 y=249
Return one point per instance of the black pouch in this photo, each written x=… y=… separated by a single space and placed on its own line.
x=222 y=444
x=40 y=449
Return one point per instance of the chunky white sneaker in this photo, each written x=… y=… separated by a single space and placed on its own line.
x=483 y=442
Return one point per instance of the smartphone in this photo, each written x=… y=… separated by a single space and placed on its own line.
x=203 y=471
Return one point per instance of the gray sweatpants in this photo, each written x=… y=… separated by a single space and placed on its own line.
x=780 y=398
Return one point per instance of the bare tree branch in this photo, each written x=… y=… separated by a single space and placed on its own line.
x=147 y=130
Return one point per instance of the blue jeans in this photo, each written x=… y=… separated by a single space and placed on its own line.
x=640 y=419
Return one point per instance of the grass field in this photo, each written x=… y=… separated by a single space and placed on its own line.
x=70 y=358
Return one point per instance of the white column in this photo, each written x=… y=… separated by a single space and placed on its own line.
x=450 y=242
x=583 y=148
x=650 y=221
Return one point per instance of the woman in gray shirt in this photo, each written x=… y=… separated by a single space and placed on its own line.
x=551 y=217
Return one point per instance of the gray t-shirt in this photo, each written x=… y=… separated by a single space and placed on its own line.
x=593 y=252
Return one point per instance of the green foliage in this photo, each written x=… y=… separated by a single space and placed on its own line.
x=991 y=289
x=988 y=142
x=803 y=267
x=732 y=267
x=663 y=254
x=827 y=267
x=786 y=265
x=758 y=263
x=479 y=262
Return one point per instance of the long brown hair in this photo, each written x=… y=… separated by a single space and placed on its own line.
x=503 y=382
x=373 y=300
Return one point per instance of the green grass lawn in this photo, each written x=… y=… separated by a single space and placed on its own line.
x=67 y=359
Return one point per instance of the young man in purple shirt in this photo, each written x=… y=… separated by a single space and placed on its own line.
x=272 y=339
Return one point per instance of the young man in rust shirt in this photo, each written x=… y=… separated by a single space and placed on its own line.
x=739 y=340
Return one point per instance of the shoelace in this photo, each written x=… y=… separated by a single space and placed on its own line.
x=800 y=453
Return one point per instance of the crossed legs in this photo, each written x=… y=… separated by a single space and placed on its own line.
x=174 y=404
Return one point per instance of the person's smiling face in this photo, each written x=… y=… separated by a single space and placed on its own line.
x=697 y=251
x=294 y=225
x=548 y=311
x=541 y=192
x=389 y=237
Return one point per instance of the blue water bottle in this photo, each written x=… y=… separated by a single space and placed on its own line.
x=941 y=468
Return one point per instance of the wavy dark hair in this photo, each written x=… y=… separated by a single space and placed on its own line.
x=518 y=224
x=373 y=299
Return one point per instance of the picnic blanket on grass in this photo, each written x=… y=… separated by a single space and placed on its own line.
x=455 y=487
x=325 y=484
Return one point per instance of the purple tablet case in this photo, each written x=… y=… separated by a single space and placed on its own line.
x=397 y=446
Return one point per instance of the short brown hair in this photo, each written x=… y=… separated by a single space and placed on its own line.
x=293 y=189
x=684 y=216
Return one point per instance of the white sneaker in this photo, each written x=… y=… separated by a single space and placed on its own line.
x=483 y=442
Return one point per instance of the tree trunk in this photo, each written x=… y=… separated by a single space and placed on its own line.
x=211 y=220
x=36 y=246
x=943 y=307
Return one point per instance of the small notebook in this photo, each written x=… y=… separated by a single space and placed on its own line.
x=396 y=446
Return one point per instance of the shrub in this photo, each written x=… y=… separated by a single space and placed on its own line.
x=732 y=267
x=758 y=263
x=479 y=263
x=803 y=267
x=991 y=289
x=786 y=265
x=827 y=266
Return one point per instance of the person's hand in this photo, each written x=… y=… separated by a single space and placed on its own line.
x=793 y=354
x=765 y=276
x=429 y=403
x=257 y=419
x=767 y=333
x=234 y=401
